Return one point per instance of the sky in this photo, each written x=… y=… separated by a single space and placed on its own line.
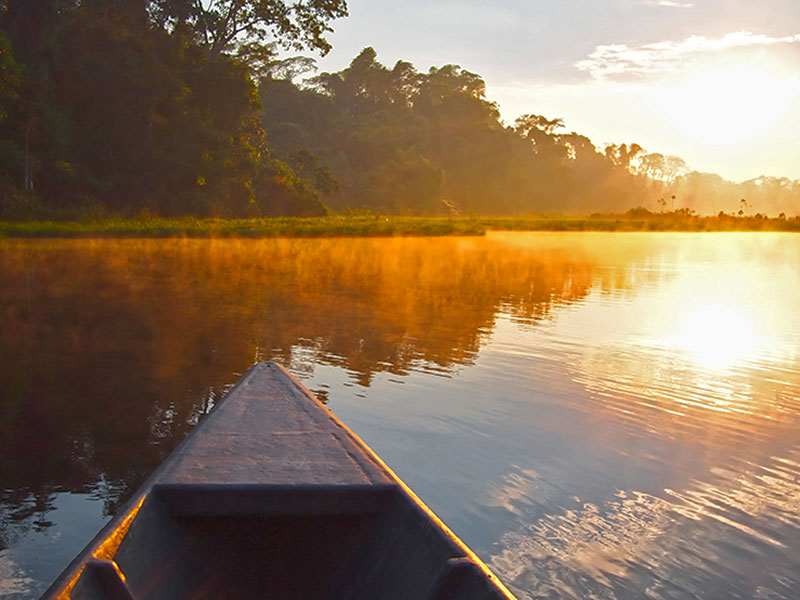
x=716 y=82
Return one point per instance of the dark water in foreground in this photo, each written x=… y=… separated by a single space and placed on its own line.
x=597 y=415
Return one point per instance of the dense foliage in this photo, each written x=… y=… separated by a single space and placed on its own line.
x=181 y=107
x=397 y=140
x=130 y=105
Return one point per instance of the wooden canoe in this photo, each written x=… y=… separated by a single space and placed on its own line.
x=271 y=496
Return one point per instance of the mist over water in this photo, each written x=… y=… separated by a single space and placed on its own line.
x=597 y=415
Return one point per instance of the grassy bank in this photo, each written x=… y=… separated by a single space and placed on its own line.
x=653 y=222
x=333 y=226
x=379 y=225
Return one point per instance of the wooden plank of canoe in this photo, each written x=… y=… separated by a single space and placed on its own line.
x=273 y=432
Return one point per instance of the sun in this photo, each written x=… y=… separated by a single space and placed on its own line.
x=724 y=103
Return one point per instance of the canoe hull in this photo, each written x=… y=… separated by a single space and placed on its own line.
x=272 y=496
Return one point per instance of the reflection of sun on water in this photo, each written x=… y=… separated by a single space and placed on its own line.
x=719 y=319
x=717 y=334
x=692 y=379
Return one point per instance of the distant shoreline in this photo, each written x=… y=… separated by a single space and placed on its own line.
x=382 y=226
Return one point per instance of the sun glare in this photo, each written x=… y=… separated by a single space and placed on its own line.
x=717 y=334
x=721 y=318
x=728 y=103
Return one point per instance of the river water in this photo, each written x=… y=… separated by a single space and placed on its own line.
x=597 y=415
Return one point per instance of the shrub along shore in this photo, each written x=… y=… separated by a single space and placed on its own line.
x=380 y=225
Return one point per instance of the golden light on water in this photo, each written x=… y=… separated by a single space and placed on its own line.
x=706 y=341
x=717 y=326
x=685 y=354
x=717 y=334
x=728 y=316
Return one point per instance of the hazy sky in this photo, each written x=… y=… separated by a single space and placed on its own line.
x=716 y=82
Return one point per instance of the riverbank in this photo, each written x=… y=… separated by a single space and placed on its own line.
x=381 y=226
x=331 y=226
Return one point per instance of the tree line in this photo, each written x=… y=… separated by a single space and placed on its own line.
x=184 y=107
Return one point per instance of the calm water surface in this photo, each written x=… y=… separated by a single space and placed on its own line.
x=597 y=415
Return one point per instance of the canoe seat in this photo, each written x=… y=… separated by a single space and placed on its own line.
x=208 y=500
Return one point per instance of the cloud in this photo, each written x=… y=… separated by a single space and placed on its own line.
x=669 y=3
x=619 y=61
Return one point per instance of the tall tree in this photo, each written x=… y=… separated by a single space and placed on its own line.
x=246 y=27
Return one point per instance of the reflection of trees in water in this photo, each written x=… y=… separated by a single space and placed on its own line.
x=400 y=305
x=20 y=512
x=112 y=350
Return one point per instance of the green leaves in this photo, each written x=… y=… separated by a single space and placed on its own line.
x=244 y=27
x=150 y=105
